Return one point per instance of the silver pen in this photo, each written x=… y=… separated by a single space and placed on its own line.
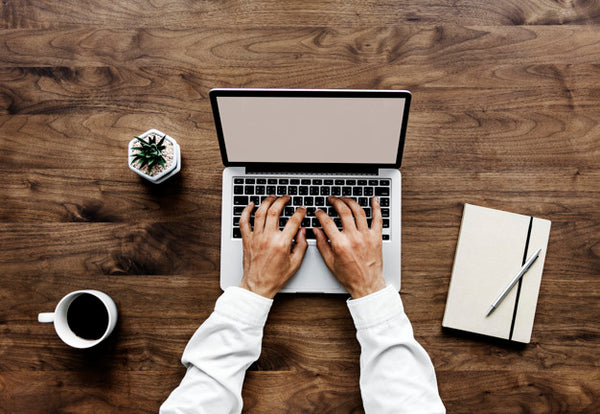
x=519 y=275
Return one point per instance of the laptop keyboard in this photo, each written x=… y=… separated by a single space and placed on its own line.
x=311 y=193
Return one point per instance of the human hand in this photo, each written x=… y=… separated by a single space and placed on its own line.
x=354 y=255
x=269 y=259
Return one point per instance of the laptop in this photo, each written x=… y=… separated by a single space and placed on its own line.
x=310 y=143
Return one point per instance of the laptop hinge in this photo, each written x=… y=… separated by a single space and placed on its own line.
x=314 y=170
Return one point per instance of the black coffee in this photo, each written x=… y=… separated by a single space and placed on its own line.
x=87 y=317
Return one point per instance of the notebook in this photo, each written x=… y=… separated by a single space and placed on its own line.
x=310 y=143
x=492 y=247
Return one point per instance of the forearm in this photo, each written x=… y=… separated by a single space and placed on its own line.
x=219 y=354
x=397 y=375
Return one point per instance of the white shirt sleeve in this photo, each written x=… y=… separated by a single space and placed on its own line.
x=396 y=374
x=219 y=354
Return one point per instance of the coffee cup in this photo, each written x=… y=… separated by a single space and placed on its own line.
x=83 y=319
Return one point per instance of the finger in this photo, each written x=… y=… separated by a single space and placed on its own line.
x=324 y=247
x=360 y=217
x=299 y=248
x=245 y=227
x=345 y=214
x=274 y=212
x=377 y=222
x=293 y=224
x=261 y=214
x=329 y=226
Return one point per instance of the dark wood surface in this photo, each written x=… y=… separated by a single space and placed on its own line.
x=506 y=114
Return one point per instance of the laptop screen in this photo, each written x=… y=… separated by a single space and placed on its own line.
x=299 y=127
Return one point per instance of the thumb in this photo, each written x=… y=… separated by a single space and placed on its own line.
x=299 y=248
x=324 y=247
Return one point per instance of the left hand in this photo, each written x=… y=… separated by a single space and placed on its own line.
x=269 y=259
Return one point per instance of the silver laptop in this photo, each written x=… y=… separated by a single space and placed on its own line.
x=310 y=144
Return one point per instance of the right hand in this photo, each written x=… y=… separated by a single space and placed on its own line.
x=354 y=255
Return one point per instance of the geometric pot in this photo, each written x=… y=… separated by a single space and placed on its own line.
x=172 y=166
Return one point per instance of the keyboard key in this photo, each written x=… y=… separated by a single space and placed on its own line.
x=305 y=181
x=237 y=233
x=250 y=181
x=292 y=190
x=238 y=181
x=315 y=222
x=261 y=181
x=350 y=182
x=385 y=237
x=368 y=191
x=382 y=191
x=303 y=190
x=306 y=222
x=362 y=182
x=310 y=212
x=314 y=190
x=385 y=212
x=255 y=200
x=308 y=201
x=238 y=189
x=272 y=181
x=339 y=182
x=249 y=190
x=281 y=190
x=310 y=234
x=336 y=191
x=384 y=201
x=357 y=191
x=294 y=181
x=284 y=181
x=288 y=211
x=236 y=221
x=237 y=211
x=328 y=182
x=367 y=211
x=386 y=223
x=319 y=201
x=325 y=191
x=346 y=191
x=317 y=181
x=297 y=201
x=260 y=190
x=384 y=182
x=240 y=200
x=363 y=201
x=271 y=189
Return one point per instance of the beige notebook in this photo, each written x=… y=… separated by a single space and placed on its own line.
x=492 y=247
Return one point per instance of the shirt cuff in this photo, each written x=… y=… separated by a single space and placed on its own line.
x=244 y=306
x=376 y=308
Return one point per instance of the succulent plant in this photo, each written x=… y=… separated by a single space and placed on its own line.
x=150 y=153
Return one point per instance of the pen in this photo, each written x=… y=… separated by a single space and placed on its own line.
x=519 y=275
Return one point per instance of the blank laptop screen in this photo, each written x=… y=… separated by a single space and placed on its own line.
x=357 y=130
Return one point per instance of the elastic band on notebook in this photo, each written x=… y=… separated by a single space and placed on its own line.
x=514 y=317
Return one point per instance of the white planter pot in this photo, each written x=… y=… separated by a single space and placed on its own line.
x=163 y=175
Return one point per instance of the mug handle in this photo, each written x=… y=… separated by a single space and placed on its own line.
x=46 y=317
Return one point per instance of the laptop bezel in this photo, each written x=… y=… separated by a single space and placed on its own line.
x=316 y=167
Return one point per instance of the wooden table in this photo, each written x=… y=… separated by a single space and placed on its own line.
x=505 y=114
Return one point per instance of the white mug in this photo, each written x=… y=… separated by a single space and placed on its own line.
x=61 y=324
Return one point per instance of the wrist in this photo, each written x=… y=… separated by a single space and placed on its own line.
x=268 y=293
x=367 y=289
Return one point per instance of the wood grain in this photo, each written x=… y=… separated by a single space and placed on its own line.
x=505 y=114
